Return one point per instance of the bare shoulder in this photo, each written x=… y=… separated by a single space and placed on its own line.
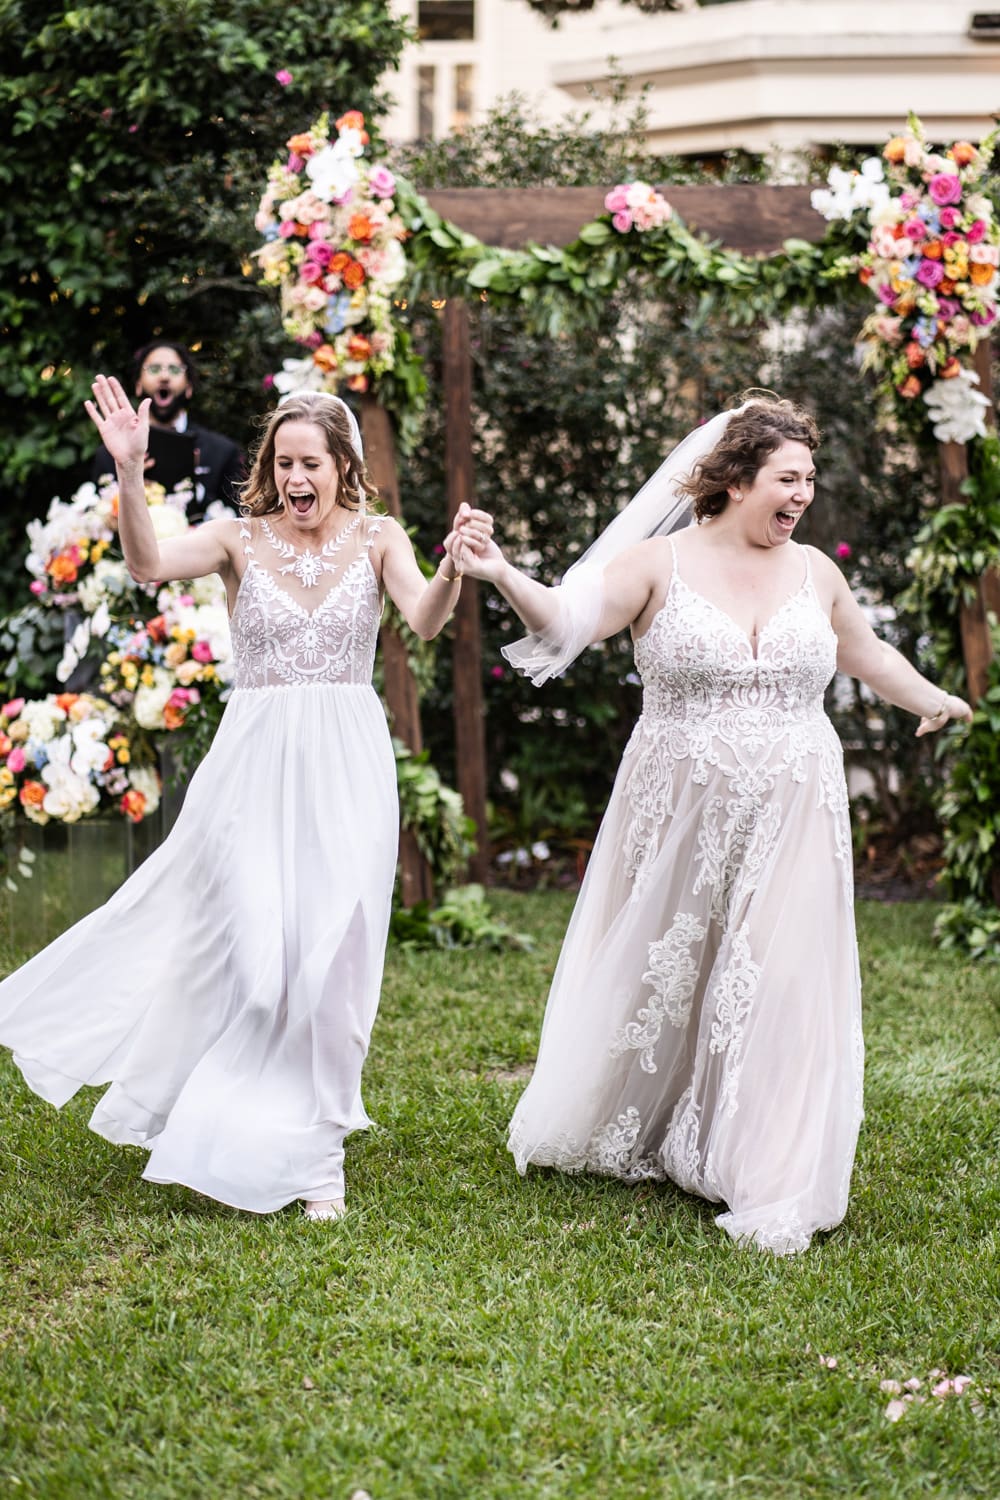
x=386 y=531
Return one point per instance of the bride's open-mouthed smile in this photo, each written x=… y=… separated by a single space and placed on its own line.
x=305 y=475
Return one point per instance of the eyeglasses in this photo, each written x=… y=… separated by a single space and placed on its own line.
x=163 y=369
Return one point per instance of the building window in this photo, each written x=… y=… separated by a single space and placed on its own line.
x=426 y=82
x=461 y=114
x=446 y=20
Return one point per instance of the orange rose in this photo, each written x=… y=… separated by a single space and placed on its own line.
x=945 y=287
x=157 y=628
x=980 y=274
x=895 y=149
x=62 y=569
x=32 y=794
x=358 y=346
x=933 y=249
x=354 y=276
x=950 y=369
x=173 y=717
x=865 y=275
x=325 y=357
x=358 y=383
x=65 y=701
x=915 y=356
x=6 y=743
x=962 y=153
x=301 y=144
x=354 y=120
x=133 y=805
x=339 y=263
x=910 y=387
x=359 y=227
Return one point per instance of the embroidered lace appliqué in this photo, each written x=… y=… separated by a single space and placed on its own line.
x=672 y=976
x=733 y=997
x=277 y=641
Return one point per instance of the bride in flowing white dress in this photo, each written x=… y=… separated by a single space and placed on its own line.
x=704 y=1021
x=227 y=991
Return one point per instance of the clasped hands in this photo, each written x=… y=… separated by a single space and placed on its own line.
x=469 y=546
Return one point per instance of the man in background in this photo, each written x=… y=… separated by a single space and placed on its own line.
x=180 y=449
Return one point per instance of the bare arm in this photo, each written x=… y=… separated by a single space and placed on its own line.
x=426 y=604
x=885 y=670
x=125 y=433
x=627 y=586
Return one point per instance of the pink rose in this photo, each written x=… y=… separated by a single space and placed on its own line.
x=983 y=319
x=975 y=231
x=286 y=229
x=267 y=383
x=908 y=200
x=318 y=228
x=886 y=294
x=295 y=161
x=320 y=252
x=617 y=199
x=37 y=587
x=930 y=273
x=622 y=221
x=283 y=77
x=496 y=673
x=944 y=188
x=201 y=651
x=310 y=272
x=843 y=550
x=16 y=760
x=12 y=709
x=949 y=239
x=947 y=307
x=186 y=600
x=381 y=182
x=916 y=229
x=949 y=218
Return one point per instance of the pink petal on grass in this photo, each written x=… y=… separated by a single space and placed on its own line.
x=895 y=1410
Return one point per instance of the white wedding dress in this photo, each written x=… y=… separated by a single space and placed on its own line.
x=704 y=1022
x=227 y=991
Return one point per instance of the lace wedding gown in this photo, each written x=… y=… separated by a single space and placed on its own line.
x=704 y=1022
x=227 y=991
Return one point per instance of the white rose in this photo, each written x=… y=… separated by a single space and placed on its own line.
x=146 y=781
x=149 y=702
x=168 y=521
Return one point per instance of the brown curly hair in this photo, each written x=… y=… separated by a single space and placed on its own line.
x=259 y=495
x=750 y=439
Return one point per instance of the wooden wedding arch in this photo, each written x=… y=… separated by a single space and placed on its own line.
x=754 y=219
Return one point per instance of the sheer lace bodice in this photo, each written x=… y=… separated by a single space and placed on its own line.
x=306 y=616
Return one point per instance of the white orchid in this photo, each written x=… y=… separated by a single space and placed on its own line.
x=957 y=409
x=847 y=192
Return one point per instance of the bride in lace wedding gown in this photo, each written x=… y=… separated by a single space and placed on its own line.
x=704 y=1021
x=227 y=991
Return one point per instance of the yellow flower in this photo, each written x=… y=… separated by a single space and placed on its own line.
x=147 y=676
x=123 y=756
x=6 y=777
x=7 y=796
x=208 y=673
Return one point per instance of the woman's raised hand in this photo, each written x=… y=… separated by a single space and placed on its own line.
x=124 y=431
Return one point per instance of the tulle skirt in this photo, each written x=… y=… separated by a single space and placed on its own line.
x=704 y=1021
x=227 y=991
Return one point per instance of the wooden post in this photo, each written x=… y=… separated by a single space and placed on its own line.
x=977 y=643
x=400 y=688
x=470 y=725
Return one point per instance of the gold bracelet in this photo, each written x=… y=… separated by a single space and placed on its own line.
x=455 y=577
x=942 y=710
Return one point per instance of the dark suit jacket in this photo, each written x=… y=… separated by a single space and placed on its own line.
x=219 y=469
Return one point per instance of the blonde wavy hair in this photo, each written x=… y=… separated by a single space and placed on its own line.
x=750 y=438
x=259 y=495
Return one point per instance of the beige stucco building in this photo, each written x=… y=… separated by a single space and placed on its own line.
x=767 y=76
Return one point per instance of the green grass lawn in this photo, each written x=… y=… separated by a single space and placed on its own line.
x=468 y=1333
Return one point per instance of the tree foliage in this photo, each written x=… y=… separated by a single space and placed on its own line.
x=138 y=137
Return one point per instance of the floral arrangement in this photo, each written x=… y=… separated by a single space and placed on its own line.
x=333 y=246
x=932 y=262
x=636 y=205
x=180 y=661
x=63 y=756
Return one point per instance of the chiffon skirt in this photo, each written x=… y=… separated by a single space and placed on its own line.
x=227 y=991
